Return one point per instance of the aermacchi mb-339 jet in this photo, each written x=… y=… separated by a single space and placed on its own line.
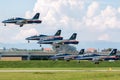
x=65 y=56
x=46 y=38
x=97 y=57
x=22 y=21
x=71 y=40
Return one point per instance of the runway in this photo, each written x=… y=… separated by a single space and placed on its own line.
x=59 y=70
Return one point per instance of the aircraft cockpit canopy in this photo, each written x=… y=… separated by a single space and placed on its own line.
x=42 y=35
x=34 y=36
x=12 y=18
x=17 y=18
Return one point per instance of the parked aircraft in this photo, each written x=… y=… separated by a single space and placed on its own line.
x=60 y=42
x=111 y=56
x=72 y=57
x=65 y=56
x=22 y=21
x=97 y=57
x=59 y=56
x=42 y=38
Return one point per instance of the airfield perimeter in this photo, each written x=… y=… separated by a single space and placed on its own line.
x=58 y=66
x=59 y=70
x=67 y=70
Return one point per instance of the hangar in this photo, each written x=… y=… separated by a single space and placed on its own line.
x=25 y=55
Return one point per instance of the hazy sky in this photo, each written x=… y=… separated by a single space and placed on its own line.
x=92 y=19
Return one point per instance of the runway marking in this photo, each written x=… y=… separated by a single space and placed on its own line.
x=59 y=70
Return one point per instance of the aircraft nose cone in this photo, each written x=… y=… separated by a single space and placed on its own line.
x=3 y=21
x=52 y=58
x=27 y=38
x=38 y=42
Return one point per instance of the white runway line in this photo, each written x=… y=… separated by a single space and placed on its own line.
x=59 y=70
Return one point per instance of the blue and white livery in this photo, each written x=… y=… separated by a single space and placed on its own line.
x=22 y=21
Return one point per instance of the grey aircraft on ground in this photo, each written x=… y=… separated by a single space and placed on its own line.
x=66 y=56
x=97 y=57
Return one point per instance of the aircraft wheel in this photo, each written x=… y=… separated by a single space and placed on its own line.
x=68 y=60
x=21 y=25
x=4 y=24
x=40 y=45
x=28 y=41
x=96 y=62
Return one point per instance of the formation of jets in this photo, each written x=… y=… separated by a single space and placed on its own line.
x=55 y=39
x=21 y=21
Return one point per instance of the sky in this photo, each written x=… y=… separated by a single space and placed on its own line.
x=92 y=20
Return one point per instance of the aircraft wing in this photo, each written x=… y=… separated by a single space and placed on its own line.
x=46 y=42
x=53 y=42
x=21 y=21
x=58 y=42
x=24 y=21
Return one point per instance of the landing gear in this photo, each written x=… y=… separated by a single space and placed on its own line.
x=28 y=41
x=21 y=25
x=4 y=24
x=68 y=60
x=40 y=45
x=57 y=46
x=97 y=62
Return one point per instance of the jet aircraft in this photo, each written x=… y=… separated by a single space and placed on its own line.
x=97 y=57
x=42 y=38
x=72 y=57
x=22 y=21
x=65 y=56
x=71 y=40
x=59 y=56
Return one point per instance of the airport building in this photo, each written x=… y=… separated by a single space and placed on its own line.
x=14 y=54
x=25 y=55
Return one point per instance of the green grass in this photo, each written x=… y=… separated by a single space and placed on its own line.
x=57 y=64
x=61 y=76
x=103 y=68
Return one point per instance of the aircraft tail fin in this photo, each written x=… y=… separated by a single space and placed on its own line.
x=73 y=37
x=58 y=33
x=36 y=16
x=113 y=52
x=81 y=51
